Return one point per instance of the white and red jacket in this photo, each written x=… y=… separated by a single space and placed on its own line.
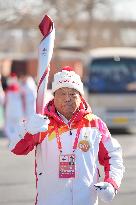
x=104 y=150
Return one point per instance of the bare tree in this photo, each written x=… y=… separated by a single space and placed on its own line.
x=69 y=17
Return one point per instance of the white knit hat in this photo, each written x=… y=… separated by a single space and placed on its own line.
x=67 y=78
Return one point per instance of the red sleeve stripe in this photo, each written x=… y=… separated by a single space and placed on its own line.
x=104 y=158
x=111 y=181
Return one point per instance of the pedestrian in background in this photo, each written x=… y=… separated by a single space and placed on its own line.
x=71 y=145
x=2 y=95
x=29 y=92
x=13 y=106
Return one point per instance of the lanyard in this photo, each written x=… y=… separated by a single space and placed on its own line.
x=75 y=141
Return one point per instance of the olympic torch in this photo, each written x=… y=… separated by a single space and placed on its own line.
x=45 y=54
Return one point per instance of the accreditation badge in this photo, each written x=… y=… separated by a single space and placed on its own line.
x=67 y=166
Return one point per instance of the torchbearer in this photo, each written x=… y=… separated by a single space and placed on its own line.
x=72 y=142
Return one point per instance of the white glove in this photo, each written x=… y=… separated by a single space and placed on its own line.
x=105 y=190
x=36 y=123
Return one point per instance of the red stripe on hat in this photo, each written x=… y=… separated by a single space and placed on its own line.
x=68 y=68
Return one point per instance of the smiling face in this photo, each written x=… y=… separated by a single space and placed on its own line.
x=66 y=101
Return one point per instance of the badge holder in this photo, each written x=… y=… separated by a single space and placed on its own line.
x=67 y=166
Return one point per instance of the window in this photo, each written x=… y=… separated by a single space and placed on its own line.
x=112 y=75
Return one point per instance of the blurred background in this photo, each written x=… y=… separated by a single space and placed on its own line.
x=97 y=38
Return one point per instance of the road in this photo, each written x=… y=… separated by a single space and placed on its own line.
x=17 y=180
